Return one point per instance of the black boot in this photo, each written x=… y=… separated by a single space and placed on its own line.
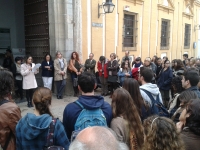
x=29 y=104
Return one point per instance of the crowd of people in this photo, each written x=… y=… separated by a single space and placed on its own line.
x=155 y=104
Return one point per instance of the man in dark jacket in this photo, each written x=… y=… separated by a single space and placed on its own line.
x=90 y=64
x=86 y=84
x=190 y=81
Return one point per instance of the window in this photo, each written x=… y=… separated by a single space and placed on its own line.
x=187 y=36
x=129 y=37
x=165 y=34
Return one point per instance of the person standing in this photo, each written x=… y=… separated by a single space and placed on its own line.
x=16 y=70
x=60 y=74
x=90 y=64
x=112 y=72
x=10 y=113
x=129 y=57
x=152 y=66
x=8 y=61
x=103 y=75
x=124 y=72
x=190 y=81
x=29 y=81
x=47 y=71
x=185 y=56
x=76 y=69
x=164 y=82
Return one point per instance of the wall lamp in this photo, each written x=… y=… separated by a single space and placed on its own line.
x=108 y=7
x=196 y=27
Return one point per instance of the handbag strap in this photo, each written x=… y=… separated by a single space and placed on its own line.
x=50 y=139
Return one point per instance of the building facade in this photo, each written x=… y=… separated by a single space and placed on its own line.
x=144 y=27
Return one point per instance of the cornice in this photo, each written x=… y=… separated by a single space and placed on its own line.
x=187 y=15
x=140 y=2
x=165 y=8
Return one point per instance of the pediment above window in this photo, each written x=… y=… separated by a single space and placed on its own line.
x=140 y=2
x=166 y=5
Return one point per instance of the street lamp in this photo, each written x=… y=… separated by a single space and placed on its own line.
x=108 y=7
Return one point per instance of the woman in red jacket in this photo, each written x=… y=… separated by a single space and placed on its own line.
x=103 y=75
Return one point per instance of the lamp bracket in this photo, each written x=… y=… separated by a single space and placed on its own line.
x=100 y=6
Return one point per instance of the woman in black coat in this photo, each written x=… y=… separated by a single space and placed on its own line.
x=112 y=68
x=47 y=71
x=164 y=82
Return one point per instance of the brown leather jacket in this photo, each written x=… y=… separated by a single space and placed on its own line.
x=10 y=114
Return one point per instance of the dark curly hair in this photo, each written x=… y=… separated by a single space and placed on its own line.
x=42 y=99
x=176 y=82
x=193 y=121
x=161 y=134
x=6 y=83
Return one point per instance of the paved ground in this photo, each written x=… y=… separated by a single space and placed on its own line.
x=57 y=106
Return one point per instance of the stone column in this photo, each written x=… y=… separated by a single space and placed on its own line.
x=78 y=27
x=61 y=31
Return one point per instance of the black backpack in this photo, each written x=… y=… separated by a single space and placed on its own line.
x=50 y=141
x=157 y=107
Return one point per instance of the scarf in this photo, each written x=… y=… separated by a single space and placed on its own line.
x=137 y=65
x=61 y=63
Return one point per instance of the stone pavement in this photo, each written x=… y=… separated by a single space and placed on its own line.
x=57 y=107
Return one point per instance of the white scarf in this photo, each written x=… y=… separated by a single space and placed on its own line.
x=61 y=63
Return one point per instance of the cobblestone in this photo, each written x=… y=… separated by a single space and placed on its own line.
x=57 y=107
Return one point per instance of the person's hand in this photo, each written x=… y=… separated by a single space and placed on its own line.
x=30 y=68
x=37 y=69
x=100 y=70
x=179 y=126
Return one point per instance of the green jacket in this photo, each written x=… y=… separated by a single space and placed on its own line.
x=90 y=65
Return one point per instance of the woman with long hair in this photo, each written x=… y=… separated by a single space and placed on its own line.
x=33 y=129
x=126 y=122
x=154 y=59
x=132 y=86
x=178 y=68
x=29 y=81
x=164 y=82
x=189 y=125
x=161 y=134
x=76 y=69
x=192 y=63
x=176 y=89
x=60 y=74
x=47 y=71
x=124 y=72
x=10 y=113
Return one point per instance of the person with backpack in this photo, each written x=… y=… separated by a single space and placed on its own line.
x=41 y=131
x=150 y=92
x=80 y=114
x=10 y=113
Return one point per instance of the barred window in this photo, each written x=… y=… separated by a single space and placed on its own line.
x=129 y=36
x=187 y=36
x=165 y=34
